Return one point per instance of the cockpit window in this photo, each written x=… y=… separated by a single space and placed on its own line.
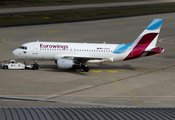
x=23 y=47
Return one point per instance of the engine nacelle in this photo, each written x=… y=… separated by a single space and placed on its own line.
x=65 y=63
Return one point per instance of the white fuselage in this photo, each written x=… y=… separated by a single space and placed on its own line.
x=55 y=50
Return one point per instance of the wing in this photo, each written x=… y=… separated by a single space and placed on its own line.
x=80 y=58
x=84 y=59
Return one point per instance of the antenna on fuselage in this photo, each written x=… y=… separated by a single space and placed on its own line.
x=37 y=40
x=104 y=43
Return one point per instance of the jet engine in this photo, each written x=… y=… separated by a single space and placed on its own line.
x=65 y=63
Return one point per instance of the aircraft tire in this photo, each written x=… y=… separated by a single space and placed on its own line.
x=35 y=67
x=86 y=69
x=83 y=66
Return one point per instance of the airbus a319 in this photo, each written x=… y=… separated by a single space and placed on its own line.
x=66 y=54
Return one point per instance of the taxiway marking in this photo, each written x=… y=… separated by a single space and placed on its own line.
x=113 y=71
x=164 y=39
x=97 y=71
x=93 y=96
x=9 y=42
x=169 y=18
x=53 y=31
x=126 y=90
x=166 y=79
x=152 y=101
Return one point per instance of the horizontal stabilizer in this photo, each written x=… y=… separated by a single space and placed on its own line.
x=152 y=51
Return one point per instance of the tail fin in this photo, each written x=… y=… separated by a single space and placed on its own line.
x=146 y=41
x=148 y=38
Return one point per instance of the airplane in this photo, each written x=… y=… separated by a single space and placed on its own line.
x=66 y=54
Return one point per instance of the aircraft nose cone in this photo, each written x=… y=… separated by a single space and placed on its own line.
x=14 y=52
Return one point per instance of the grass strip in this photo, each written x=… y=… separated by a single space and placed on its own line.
x=77 y=15
x=12 y=3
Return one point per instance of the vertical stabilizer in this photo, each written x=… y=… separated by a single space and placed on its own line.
x=146 y=40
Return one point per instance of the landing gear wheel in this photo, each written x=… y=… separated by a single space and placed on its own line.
x=86 y=69
x=83 y=66
x=35 y=66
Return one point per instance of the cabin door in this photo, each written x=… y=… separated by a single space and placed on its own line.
x=35 y=49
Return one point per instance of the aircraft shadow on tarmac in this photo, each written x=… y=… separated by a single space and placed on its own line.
x=79 y=70
x=53 y=68
x=108 y=66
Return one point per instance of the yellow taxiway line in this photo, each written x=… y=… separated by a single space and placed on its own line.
x=97 y=71
x=9 y=42
x=126 y=90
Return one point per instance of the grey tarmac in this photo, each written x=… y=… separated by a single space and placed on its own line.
x=33 y=9
x=143 y=82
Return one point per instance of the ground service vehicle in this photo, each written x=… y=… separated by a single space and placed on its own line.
x=17 y=65
x=13 y=65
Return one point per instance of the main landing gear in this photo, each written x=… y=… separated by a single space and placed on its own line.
x=35 y=66
x=85 y=68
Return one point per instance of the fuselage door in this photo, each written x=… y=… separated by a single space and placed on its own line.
x=35 y=49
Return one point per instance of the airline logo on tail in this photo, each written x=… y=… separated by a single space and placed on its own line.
x=145 y=44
